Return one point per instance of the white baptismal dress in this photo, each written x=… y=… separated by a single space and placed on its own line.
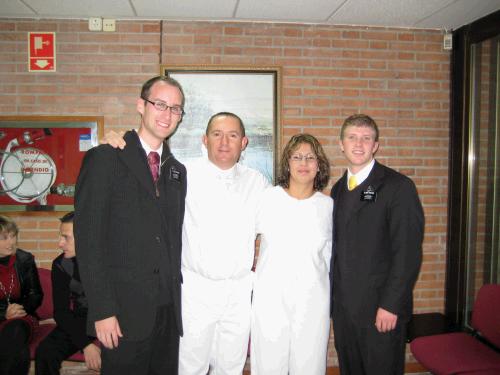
x=291 y=297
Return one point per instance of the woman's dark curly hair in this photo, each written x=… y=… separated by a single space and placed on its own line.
x=323 y=175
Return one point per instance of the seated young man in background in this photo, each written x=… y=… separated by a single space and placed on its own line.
x=70 y=311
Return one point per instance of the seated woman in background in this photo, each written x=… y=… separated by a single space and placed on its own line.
x=291 y=296
x=20 y=296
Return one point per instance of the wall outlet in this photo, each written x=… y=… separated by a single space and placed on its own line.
x=108 y=24
x=95 y=24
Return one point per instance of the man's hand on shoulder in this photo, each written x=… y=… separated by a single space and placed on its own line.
x=108 y=332
x=114 y=139
x=385 y=321
x=92 y=354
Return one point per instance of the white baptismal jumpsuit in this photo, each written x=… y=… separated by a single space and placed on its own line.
x=291 y=297
x=218 y=244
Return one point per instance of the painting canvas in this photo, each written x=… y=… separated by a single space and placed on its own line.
x=250 y=93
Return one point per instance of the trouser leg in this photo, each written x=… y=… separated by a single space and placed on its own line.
x=200 y=311
x=156 y=354
x=129 y=357
x=233 y=329
x=384 y=353
x=165 y=344
x=363 y=350
x=54 y=349
x=14 y=349
x=346 y=343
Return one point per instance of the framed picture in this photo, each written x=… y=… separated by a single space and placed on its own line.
x=40 y=158
x=251 y=92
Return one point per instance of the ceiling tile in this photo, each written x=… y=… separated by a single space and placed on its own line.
x=386 y=12
x=185 y=9
x=82 y=9
x=14 y=8
x=290 y=10
x=460 y=13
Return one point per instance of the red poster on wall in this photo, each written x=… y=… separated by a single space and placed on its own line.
x=40 y=158
x=42 y=52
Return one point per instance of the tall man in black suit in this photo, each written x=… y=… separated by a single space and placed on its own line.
x=128 y=227
x=378 y=233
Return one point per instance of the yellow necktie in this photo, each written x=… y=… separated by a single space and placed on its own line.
x=352 y=182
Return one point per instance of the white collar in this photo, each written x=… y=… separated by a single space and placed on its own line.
x=148 y=149
x=362 y=174
x=223 y=174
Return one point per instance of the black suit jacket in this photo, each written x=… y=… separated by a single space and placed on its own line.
x=128 y=240
x=70 y=319
x=377 y=261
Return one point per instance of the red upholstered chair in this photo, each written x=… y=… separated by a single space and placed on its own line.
x=45 y=311
x=46 y=314
x=460 y=352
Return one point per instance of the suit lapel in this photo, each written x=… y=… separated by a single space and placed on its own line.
x=374 y=180
x=133 y=156
x=164 y=156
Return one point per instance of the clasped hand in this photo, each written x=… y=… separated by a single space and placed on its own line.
x=14 y=310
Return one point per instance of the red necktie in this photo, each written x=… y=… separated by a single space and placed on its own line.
x=154 y=162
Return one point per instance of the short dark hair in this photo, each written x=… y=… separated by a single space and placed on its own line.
x=7 y=225
x=323 y=175
x=228 y=114
x=146 y=87
x=68 y=218
x=360 y=120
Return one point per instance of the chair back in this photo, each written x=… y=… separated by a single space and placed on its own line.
x=486 y=313
x=46 y=309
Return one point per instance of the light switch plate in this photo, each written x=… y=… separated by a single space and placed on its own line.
x=448 y=41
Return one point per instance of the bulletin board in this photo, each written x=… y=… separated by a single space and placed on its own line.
x=40 y=158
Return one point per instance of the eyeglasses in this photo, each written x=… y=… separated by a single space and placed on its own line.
x=308 y=158
x=162 y=106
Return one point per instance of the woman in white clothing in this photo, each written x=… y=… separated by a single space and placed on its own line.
x=291 y=297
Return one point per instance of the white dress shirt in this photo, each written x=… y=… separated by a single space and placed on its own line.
x=362 y=174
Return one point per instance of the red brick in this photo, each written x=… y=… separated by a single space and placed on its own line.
x=233 y=30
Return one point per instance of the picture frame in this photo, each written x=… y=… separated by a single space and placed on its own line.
x=40 y=159
x=251 y=92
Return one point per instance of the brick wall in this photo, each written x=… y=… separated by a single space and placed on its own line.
x=398 y=76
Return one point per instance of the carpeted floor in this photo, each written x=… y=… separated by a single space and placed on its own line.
x=80 y=369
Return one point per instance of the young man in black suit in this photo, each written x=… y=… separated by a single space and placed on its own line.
x=70 y=311
x=128 y=227
x=377 y=253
